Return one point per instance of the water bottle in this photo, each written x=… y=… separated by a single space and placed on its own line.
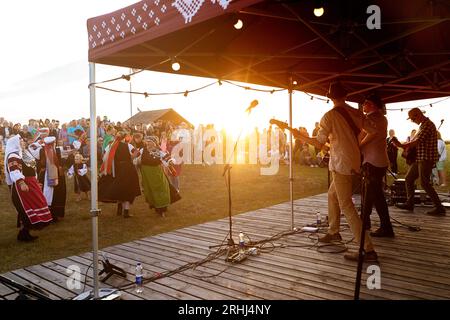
x=139 y=278
x=241 y=242
x=318 y=219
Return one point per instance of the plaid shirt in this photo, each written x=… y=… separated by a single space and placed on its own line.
x=427 y=146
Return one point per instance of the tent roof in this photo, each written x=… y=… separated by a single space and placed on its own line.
x=154 y=115
x=407 y=59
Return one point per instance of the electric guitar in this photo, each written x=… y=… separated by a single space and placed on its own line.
x=300 y=136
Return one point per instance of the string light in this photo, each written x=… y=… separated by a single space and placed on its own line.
x=239 y=24
x=219 y=82
x=328 y=100
x=186 y=93
x=318 y=8
x=126 y=77
x=312 y=98
x=175 y=65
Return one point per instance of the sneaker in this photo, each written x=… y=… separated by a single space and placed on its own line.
x=383 y=233
x=370 y=256
x=438 y=211
x=330 y=237
x=405 y=206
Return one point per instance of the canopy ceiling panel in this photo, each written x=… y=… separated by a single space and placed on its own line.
x=407 y=59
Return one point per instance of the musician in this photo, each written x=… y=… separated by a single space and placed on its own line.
x=392 y=151
x=427 y=154
x=341 y=126
x=374 y=150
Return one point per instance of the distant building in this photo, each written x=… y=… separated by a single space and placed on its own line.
x=145 y=117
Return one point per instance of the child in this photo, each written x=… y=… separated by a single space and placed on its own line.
x=81 y=181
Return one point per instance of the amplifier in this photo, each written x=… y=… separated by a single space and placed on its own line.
x=398 y=193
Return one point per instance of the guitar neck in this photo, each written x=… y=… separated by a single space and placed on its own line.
x=304 y=138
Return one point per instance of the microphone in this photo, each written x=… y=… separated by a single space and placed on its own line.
x=252 y=105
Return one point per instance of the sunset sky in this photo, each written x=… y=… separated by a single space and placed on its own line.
x=45 y=75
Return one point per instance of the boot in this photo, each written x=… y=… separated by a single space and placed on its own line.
x=119 y=209
x=126 y=213
x=25 y=236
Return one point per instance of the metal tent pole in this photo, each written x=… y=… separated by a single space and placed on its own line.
x=94 y=191
x=291 y=175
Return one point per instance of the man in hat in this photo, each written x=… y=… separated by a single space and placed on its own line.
x=341 y=126
x=427 y=154
x=376 y=161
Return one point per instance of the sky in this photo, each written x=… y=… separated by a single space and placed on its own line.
x=45 y=74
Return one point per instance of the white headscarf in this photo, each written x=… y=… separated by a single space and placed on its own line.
x=12 y=146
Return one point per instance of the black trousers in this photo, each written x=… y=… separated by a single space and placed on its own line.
x=374 y=195
x=422 y=170
x=393 y=161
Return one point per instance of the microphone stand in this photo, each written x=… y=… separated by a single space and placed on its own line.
x=231 y=246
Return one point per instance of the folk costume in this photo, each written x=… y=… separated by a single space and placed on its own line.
x=159 y=192
x=51 y=176
x=31 y=205
x=119 y=181
x=79 y=173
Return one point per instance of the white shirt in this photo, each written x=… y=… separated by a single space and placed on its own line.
x=442 y=150
x=345 y=156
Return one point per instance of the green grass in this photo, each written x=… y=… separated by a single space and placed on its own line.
x=204 y=199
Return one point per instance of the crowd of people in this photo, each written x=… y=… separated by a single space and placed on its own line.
x=39 y=156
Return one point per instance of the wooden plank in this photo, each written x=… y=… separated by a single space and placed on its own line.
x=153 y=290
x=441 y=259
x=26 y=278
x=262 y=276
x=5 y=290
x=197 y=237
x=442 y=272
x=225 y=276
x=201 y=289
x=61 y=265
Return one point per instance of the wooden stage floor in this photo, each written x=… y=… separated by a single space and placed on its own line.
x=413 y=265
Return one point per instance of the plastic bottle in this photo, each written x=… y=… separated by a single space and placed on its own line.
x=241 y=242
x=318 y=219
x=139 y=278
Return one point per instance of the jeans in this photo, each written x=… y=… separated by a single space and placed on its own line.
x=374 y=195
x=340 y=199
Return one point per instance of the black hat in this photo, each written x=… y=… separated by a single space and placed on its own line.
x=336 y=91
x=376 y=100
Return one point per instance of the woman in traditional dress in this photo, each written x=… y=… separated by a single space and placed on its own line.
x=51 y=176
x=26 y=194
x=119 y=181
x=80 y=179
x=158 y=191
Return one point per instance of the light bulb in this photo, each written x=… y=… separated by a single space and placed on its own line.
x=239 y=24
x=175 y=66
x=318 y=12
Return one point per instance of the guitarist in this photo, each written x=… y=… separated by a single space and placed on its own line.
x=342 y=126
x=427 y=155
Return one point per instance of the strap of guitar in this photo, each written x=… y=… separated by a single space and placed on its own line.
x=351 y=124
x=350 y=121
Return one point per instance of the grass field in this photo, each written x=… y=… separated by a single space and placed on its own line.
x=204 y=198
